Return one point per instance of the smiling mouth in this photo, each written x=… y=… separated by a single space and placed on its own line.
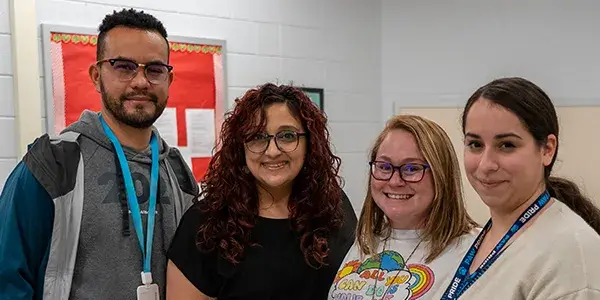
x=491 y=183
x=274 y=166
x=140 y=99
x=398 y=196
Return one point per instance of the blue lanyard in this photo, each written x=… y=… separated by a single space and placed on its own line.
x=462 y=281
x=132 y=195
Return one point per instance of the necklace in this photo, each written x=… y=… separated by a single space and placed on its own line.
x=398 y=272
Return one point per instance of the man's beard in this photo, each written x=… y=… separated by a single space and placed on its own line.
x=139 y=118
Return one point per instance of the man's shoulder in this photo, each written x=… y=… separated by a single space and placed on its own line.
x=183 y=173
x=54 y=162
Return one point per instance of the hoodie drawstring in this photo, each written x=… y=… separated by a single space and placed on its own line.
x=123 y=199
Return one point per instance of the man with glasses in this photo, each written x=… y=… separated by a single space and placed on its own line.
x=90 y=214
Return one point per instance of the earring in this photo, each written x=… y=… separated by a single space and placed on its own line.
x=245 y=169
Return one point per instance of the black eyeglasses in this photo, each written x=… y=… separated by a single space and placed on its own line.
x=286 y=141
x=126 y=70
x=413 y=172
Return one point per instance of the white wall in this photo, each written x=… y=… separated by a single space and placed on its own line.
x=436 y=54
x=332 y=44
x=8 y=151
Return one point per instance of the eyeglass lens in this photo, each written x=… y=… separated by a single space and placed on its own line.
x=127 y=70
x=408 y=172
x=286 y=141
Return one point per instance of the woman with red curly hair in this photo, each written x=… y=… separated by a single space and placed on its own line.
x=272 y=221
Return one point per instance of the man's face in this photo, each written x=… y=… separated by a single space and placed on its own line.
x=131 y=95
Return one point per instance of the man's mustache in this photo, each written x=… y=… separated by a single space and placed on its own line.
x=150 y=96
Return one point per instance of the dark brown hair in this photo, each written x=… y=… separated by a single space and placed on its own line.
x=537 y=114
x=229 y=196
x=129 y=18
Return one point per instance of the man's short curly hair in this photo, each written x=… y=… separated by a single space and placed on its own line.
x=130 y=18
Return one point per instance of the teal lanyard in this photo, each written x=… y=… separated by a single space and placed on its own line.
x=132 y=195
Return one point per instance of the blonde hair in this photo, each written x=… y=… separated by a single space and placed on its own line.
x=447 y=217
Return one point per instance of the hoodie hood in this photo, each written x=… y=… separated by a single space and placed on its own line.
x=89 y=125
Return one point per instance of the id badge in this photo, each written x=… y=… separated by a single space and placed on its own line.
x=148 y=292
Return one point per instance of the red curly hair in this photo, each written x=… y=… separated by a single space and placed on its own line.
x=229 y=197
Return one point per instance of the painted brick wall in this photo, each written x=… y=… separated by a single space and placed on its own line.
x=8 y=152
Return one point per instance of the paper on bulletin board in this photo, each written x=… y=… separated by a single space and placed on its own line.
x=185 y=153
x=201 y=131
x=167 y=125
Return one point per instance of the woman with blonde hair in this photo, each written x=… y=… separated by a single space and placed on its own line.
x=413 y=227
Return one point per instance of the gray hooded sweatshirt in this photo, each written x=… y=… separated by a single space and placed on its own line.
x=93 y=252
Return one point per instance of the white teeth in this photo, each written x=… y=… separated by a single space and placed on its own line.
x=399 y=196
x=275 y=166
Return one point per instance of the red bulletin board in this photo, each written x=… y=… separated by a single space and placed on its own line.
x=194 y=114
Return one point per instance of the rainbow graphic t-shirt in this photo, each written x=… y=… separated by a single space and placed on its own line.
x=391 y=274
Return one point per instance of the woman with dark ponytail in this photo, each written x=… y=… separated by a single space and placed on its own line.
x=543 y=236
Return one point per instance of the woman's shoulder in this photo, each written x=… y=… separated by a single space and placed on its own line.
x=563 y=252
x=463 y=242
x=190 y=223
x=564 y=225
x=563 y=241
x=571 y=236
x=193 y=216
x=345 y=234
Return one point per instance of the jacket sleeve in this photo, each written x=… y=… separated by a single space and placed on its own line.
x=26 y=221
